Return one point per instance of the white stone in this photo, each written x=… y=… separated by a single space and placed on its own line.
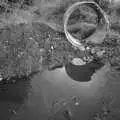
x=1 y=77
x=78 y=61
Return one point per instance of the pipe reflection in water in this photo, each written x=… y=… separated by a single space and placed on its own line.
x=56 y=85
x=83 y=73
x=61 y=81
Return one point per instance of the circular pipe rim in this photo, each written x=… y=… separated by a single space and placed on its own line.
x=75 y=42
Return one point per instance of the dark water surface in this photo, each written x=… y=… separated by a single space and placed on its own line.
x=83 y=73
x=12 y=96
x=51 y=92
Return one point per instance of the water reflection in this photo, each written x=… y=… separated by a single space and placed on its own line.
x=83 y=73
x=52 y=90
x=15 y=90
x=55 y=86
x=12 y=96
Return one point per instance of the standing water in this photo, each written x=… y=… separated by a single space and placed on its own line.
x=54 y=94
x=51 y=91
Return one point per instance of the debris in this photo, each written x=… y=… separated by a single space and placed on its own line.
x=14 y=112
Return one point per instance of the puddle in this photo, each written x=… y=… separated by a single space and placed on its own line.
x=51 y=93
x=12 y=96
